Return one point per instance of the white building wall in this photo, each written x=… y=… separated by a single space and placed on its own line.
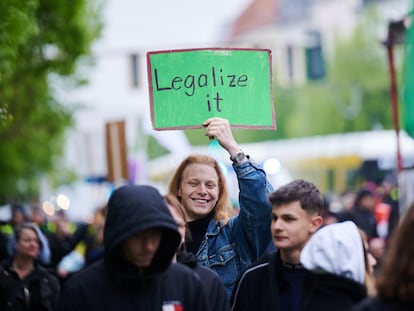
x=132 y=26
x=332 y=18
x=140 y=26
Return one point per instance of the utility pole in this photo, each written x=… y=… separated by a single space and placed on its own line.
x=395 y=36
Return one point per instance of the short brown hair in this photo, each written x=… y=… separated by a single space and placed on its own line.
x=300 y=190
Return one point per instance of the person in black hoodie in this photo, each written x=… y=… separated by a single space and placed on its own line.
x=136 y=273
x=362 y=213
x=212 y=284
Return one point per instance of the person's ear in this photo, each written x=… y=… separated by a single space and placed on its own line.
x=316 y=222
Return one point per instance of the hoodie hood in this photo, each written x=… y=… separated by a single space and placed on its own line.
x=44 y=251
x=336 y=249
x=131 y=210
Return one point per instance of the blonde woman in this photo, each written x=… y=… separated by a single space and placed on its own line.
x=226 y=244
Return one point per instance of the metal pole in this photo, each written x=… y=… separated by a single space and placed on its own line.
x=394 y=96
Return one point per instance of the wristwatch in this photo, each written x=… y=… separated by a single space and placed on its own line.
x=238 y=158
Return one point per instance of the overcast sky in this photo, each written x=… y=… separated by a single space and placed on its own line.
x=161 y=23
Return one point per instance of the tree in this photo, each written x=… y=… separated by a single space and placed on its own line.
x=41 y=42
x=354 y=96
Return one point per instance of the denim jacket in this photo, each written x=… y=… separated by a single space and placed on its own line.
x=229 y=249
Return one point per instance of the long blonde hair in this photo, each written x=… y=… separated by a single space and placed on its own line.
x=223 y=206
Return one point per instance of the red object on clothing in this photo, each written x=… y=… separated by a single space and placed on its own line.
x=382 y=212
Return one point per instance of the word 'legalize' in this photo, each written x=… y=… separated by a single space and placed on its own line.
x=189 y=83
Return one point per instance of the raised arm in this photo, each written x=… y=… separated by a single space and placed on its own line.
x=252 y=225
x=220 y=129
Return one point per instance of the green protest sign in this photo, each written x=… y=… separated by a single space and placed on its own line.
x=189 y=86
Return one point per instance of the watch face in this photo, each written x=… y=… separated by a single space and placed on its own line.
x=239 y=156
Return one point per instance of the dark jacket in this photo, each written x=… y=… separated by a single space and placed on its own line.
x=214 y=288
x=378 y=304
x=260 y=287
x=42 y=289
x=229 y=249
x=332 y=292
x=113 y=283
x=62 y=246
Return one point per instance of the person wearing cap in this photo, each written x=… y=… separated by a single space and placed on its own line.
x=136 y=272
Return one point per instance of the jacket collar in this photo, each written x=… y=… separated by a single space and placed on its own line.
x=213 y=228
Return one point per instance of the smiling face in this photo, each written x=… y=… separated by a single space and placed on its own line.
x=291 y=228
x=199 y=190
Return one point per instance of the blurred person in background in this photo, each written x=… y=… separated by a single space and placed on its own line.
x=93 y=240
x=18 y=216
x=226 y=244
x=389 y=195
x=24 y=283
x=211 y=282
x=39 y=218
x=395 y=282
x=363 y=214
x=3 y=245
x=63 y=236
x=341 y=268
x=343 y=203
x=89 y=249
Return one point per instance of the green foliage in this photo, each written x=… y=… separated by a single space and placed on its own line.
x=408 y=83
x=354 y=96
x=39 y=40
x=154 y=149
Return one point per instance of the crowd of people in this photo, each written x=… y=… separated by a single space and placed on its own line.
x=286 y=248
